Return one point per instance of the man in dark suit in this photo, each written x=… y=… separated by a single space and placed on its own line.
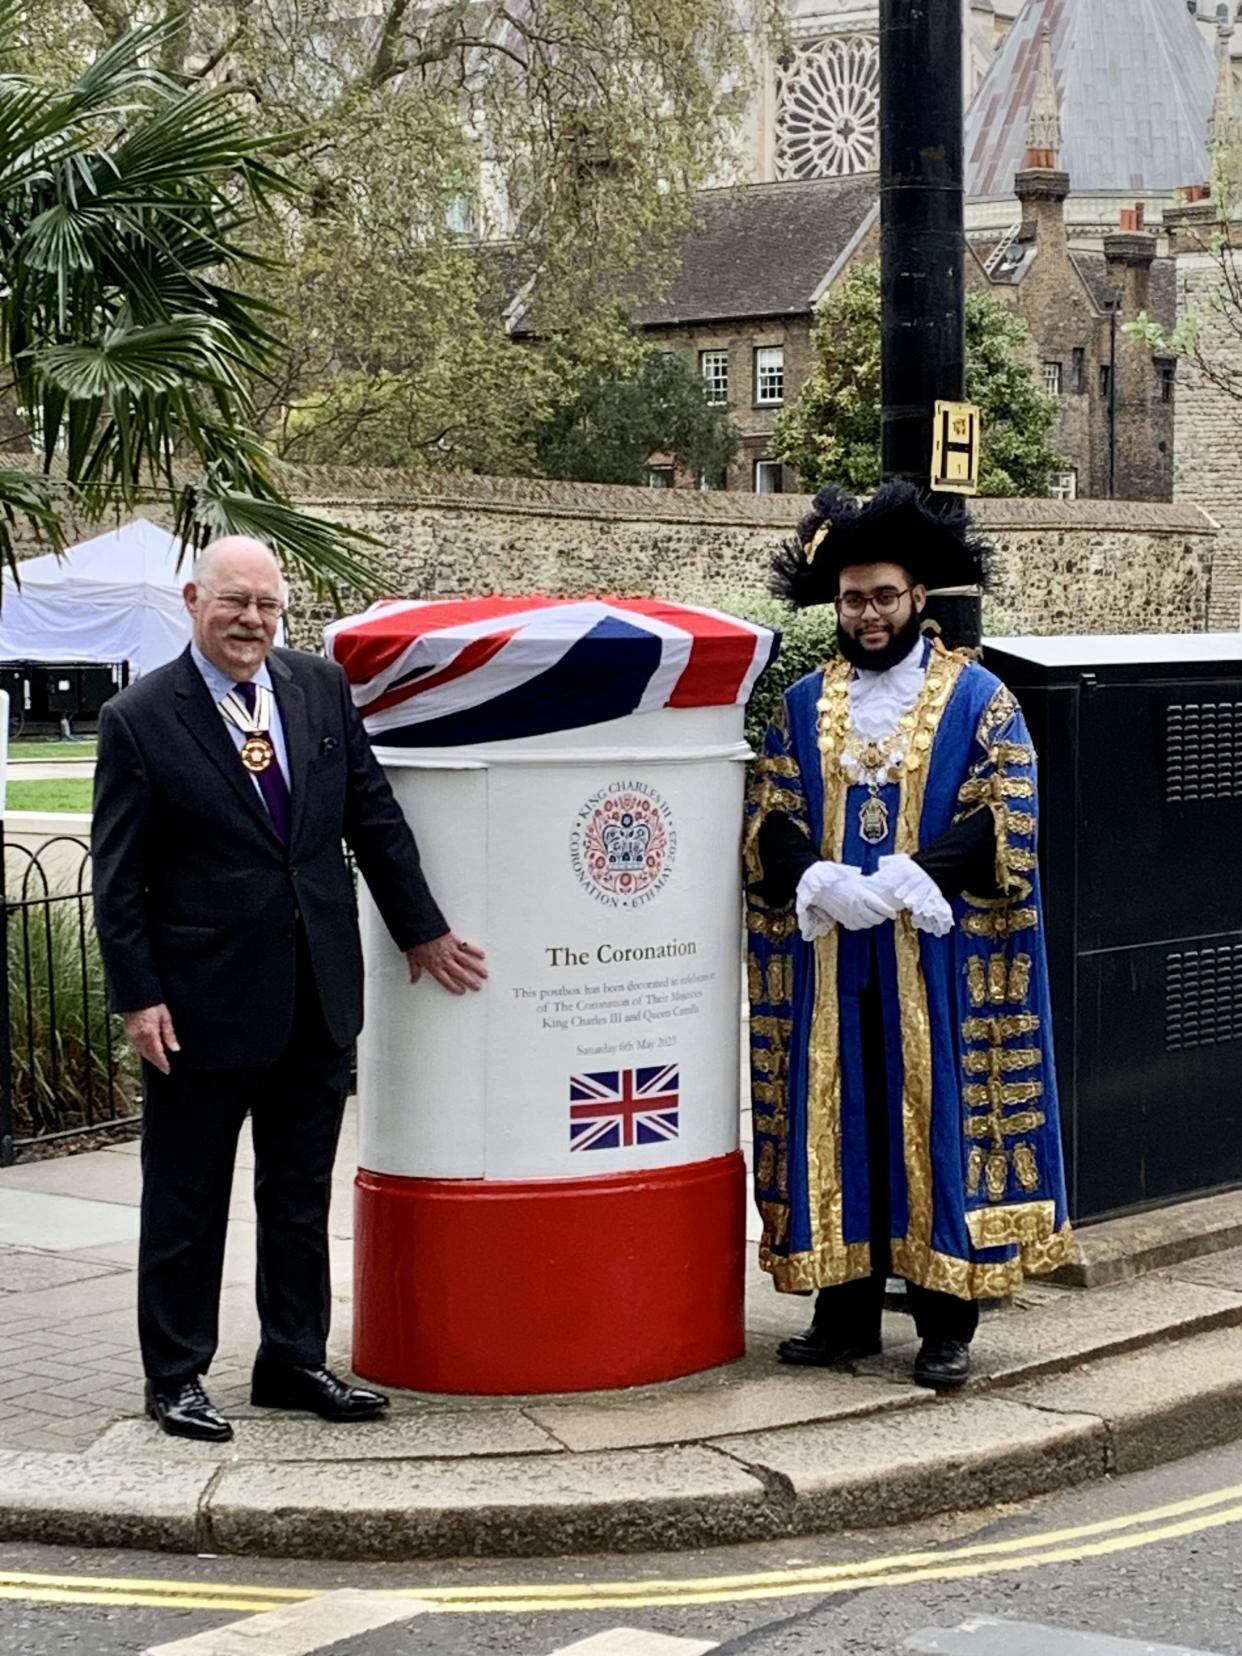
x=225 y=784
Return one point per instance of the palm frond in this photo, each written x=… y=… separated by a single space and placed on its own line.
x=139 y=362
x=327 y=553
x=130 y=342
x=30 y=500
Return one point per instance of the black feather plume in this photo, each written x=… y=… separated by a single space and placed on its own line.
x=935 y=543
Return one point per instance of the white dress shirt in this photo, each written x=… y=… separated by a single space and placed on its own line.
x=219 y=685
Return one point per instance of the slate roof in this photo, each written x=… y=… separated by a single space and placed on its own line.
x=763 y=249
x=1104 y=287
x=1136 y=80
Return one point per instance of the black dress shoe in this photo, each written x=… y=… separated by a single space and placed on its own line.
x=817 y=1349
x=942 y=1364
x=317 y=1390
x=184 y=1409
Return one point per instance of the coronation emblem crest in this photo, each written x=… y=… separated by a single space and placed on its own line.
x=623 y=844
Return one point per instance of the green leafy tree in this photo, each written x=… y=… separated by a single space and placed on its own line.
x=623 y=415
x=831 y=430
x=128 y=342
x=461 y=161
x=1207 y=335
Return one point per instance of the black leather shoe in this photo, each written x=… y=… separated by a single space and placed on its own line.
x=817 y=1349
x=184 y=1409
x=317 y=1390
x=942 y=1364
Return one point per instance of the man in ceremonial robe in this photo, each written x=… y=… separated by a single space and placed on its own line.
x=226 y=782
x=904 y=1096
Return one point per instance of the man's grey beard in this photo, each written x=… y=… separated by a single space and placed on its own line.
x=879 y=661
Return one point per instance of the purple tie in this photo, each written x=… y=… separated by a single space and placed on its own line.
x=272 y=784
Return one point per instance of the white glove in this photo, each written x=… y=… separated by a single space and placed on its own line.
x=832 y=893
x=908 y=886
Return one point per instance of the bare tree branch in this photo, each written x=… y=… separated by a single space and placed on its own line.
x=214 y=59
x=382 y=65
x=112 y=17
x=176 y=41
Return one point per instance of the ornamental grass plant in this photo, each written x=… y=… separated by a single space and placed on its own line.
x=71 y=1067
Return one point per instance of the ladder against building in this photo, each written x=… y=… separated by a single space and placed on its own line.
x=996 y=257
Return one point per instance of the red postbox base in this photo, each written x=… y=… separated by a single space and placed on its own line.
x=549 y=1285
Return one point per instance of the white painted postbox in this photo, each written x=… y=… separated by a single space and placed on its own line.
x=551 y=1196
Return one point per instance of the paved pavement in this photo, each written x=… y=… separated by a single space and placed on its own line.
x=49 y=770
x=1072 y=1384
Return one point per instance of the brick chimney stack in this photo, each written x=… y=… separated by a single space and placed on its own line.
x=1130 y=252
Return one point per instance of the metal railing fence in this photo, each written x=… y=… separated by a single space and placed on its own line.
x=65 y=1066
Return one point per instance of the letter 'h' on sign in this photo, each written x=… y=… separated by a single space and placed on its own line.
x=955 y=448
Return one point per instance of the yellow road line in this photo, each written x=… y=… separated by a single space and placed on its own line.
x=164 y=1588
x=1101 y=1538
x=136 y=1601
x=815 y=1573
x=657 y=1599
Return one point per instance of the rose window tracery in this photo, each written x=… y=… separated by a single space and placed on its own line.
x=828 y=107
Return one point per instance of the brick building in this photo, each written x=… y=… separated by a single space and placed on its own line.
x=761 y=257
x=752 y=271
x=1115 y=422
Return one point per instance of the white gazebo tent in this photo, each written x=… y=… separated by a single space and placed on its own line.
x=111 y=599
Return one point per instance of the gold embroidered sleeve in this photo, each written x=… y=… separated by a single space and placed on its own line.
x=775 y=784
x=1002 y=780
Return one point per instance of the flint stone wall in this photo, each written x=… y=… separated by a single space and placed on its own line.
x=1059 y=566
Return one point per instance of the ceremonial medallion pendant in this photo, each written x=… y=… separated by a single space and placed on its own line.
x=257 y=752
x=873 y=820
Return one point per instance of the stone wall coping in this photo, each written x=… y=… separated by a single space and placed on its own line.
x=1125 y=516
x=612 y=502
x=388 y=488
x=543 y=497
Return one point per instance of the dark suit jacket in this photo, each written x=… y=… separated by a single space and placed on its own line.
x=198 y=903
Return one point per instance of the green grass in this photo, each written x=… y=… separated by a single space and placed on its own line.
x=68 y=751
x=69 y=794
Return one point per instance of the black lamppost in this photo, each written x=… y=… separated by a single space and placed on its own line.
x=923 y=246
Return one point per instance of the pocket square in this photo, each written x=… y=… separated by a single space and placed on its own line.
x=329 y=745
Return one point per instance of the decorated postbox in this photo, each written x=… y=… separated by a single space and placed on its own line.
x=551 y=1196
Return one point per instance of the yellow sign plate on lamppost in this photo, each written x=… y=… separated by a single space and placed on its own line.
x=958 y=428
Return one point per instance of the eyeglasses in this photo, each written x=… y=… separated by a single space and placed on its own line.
x=237 y=603
x=885 y=601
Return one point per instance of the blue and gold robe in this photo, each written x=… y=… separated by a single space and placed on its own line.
x=976 y=1177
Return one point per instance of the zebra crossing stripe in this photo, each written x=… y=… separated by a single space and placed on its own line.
x=300 y=1629
x=632 y=1641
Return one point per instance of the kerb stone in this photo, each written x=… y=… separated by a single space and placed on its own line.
x=964 y=1454
x=69 y=1500
x=1158 y=1405
x=516 y=1506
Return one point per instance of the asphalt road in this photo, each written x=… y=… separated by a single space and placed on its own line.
x=1152 y=1560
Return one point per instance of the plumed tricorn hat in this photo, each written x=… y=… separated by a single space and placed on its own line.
x=899 y=525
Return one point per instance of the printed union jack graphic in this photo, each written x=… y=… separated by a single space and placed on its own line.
x=616 y=1108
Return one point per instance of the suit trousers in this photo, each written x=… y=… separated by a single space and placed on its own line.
x=852 y=1311
x=191 y=1123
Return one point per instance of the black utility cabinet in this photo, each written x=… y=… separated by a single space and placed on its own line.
x=1140 y=751
x=43 y=693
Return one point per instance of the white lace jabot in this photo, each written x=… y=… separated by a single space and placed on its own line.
x=878 y=700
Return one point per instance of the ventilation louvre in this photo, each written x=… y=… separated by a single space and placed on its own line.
x=1202 y=751
x=1203 y=997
